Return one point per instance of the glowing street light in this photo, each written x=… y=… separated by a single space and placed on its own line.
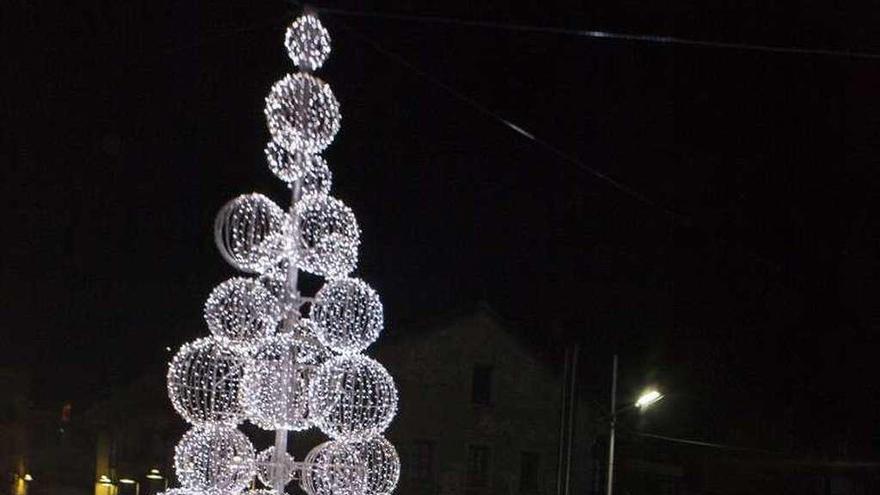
x=647 y=398
x=28 y=477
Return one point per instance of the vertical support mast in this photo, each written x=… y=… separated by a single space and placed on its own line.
x=279 y=468
x=278 y=458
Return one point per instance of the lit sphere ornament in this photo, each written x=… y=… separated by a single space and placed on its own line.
x=275 y=280
x=242 y=311
x=348 y=314
x=268 y=466
x=334 y=256
x=250 y=232
x=288 y=166
x=329 y=236
x=214 y=458
x=302 y=113
x=277 y=378
x=307 y=42
x=333 y=468
x=317 y=178
x=353 y=397
x=291 y=166
x=382 y=463
x=204 y=382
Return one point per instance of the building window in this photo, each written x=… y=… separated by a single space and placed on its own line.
x=478 y=466
x=528 y=472
x=422 y=461
x=481 y=385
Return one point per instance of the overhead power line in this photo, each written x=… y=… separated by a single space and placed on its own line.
x=608 y=35
x=785 y=458
x=519 y=129
x=566 y=157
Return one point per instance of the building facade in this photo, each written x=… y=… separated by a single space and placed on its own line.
x=480 y=413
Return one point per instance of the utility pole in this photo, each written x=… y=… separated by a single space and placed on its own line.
x=610 y=477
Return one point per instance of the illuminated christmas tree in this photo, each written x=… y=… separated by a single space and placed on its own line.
x=282 y=360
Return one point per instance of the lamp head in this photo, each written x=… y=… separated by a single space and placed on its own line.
x=648 y=398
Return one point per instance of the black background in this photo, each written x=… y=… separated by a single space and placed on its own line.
x=746 y=284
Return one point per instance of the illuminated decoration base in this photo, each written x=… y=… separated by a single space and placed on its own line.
x=277 y=358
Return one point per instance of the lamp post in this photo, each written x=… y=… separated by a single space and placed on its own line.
x=645 y=400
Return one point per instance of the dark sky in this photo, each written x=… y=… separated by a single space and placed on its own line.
x=747 y=283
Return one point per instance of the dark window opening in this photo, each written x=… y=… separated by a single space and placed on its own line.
x=528 y=472
x=481 y=385
x=478 y=466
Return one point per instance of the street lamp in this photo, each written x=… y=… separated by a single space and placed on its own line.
x=129 y=481
x=155 y=475
x=645 y=400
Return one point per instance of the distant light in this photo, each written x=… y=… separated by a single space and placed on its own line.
x=104 y=480
x=28 y=477
x=648 y=398
x=168 y=348
x=154 y=474
x=127 y=481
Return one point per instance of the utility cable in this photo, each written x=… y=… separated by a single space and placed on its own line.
x=643 y=38
x=784 y=457
x=521 y=130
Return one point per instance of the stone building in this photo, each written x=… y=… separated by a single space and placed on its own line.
x=480 y=412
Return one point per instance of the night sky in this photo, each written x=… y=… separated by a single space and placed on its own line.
x=745 y=281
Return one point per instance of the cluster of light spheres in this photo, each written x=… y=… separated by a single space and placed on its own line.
x=355 y=398
x=242 y=311
x=349 y=315
x=214 y=458
x=268 y=363
x=277 y=377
